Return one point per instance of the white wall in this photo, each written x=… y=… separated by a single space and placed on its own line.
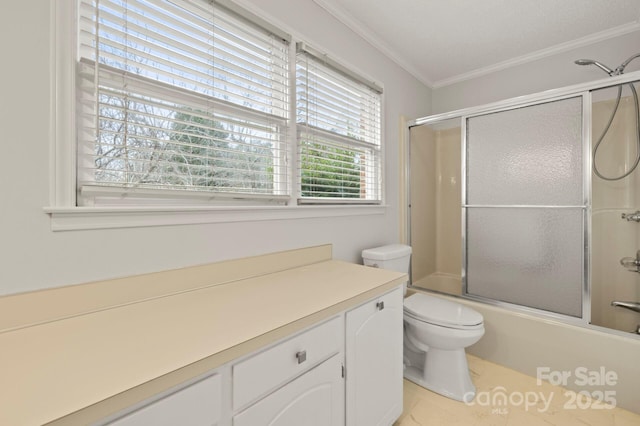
x=33 y=257
x=547 y=73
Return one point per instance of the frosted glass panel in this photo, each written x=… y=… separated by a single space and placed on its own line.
x=528 y=256
x=526 y=156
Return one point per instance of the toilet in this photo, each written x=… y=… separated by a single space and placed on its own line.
x=436 y=332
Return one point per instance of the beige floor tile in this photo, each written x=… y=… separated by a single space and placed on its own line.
x=508 y=398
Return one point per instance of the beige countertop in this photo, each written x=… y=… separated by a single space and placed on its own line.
x=53 y=366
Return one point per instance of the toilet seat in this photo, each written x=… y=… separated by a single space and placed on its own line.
x=442 y=312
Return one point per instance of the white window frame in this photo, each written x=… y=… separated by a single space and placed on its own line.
x=156 y=79
x=332 y=131
x=67 y=216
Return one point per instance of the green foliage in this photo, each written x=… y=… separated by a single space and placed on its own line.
x=329 y=171
x=199 y=152
x=209 y=153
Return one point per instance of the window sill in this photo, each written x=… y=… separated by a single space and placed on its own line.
x=85 y=218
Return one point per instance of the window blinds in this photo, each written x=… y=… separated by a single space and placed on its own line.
x=180 y=97
x=339 y=132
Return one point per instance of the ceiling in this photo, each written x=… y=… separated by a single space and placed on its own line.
x=445 y=41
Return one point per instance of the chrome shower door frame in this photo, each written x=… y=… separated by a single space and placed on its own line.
x=580 y=90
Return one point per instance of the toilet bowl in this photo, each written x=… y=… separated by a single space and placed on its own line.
x=436 y=332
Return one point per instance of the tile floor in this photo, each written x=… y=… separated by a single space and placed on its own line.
x=548 y=405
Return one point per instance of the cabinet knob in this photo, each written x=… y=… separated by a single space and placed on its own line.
x=380 y=305
x=301 y=356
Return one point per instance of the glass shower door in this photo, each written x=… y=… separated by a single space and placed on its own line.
x=524 y=206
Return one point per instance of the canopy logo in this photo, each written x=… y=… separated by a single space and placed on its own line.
x=500 y=400
x=596 y=396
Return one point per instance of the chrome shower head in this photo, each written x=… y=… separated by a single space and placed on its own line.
x=622 y=66
x=596 y=63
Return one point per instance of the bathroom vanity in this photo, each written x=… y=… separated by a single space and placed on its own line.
x=275 y=338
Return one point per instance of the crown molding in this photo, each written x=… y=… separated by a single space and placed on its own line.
x=367 y=34
x=539 y=54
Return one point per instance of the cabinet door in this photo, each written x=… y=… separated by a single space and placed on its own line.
x=374 y=361
x=314 y=399
x=198 y=404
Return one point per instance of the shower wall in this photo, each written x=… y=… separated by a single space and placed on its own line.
x=436 y=229
x=613 y=237
x=423 y=203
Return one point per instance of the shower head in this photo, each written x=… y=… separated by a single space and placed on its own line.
x=622 y=66
x=596 y=63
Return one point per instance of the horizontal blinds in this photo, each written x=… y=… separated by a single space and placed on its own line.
x=339 y=137
x=181 y=95
x=333 y=169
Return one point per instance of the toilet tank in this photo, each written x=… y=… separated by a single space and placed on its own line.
x=395 y=257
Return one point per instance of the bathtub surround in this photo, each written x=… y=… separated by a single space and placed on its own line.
x=613 y=236
x=511 y=339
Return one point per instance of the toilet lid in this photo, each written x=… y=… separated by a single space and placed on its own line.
x=435 y=310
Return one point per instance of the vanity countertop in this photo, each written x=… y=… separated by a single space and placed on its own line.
x=51 y=367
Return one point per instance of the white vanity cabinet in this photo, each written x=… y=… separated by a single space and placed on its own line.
x=315 y=398
x=294 y=383
x=259 y=340
x=195 y=404
x=343 y=371
x=374 y=361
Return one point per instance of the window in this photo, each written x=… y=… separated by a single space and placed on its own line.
x=185 y=107
x=180 y=98
x=338 y=118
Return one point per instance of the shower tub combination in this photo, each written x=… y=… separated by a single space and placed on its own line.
x=529 y=210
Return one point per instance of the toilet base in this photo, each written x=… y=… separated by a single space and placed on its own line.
x=445 y=372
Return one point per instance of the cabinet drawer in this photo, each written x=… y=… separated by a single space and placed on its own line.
x=316 y=397
x=199 y=404
x=254 y=377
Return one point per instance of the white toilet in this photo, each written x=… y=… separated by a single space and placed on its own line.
x=436 y=332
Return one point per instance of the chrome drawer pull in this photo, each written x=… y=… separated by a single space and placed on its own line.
x=380 y=306
x=302 y=356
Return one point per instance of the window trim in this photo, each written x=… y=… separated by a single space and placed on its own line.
x=63 y=91
x=328 y=65
x=86 y=218
x=65 y=215
x=302 y=47
x=147 y=85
